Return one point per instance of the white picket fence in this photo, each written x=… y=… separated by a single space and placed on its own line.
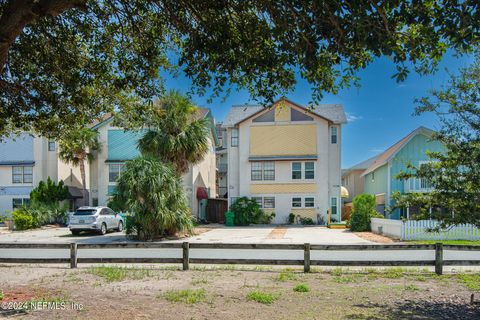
x=418 y=230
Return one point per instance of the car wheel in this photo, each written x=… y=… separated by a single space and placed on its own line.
x=103 y=229
x=120 y=226
x=75 y=232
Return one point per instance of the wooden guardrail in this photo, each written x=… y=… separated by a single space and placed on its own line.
x=185 y=260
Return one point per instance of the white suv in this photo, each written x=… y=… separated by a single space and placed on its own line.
x=99 y=219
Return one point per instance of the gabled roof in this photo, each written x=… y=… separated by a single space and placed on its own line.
x=330 y=112
x=388 y=154
x=200 y=114
x=360 y=166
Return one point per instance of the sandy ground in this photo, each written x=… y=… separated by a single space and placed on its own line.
x=143 y=293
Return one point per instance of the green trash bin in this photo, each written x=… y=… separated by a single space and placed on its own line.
x=229 y=219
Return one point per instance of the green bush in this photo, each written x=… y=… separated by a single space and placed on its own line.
x=363 y=210
x=153 y=193
x=24 y=220
x=306 y=221
x=291 y=218
x=247 y=211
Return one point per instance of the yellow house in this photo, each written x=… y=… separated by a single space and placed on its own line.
x=287 y=157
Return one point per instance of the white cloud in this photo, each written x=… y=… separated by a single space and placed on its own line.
x=351 y=117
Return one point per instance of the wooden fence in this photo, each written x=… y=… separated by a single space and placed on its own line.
x=185 y=260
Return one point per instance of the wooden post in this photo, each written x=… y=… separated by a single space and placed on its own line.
x=328 y=222
x=186 y=259
x=306 y=257
x=438 y=258
x=73 y=255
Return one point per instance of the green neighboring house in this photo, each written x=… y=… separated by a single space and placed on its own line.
x=380 y=177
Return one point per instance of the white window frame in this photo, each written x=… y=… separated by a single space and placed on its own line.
x=262 y=170
x=121 y=167
x=305 y=202
x=264 y=203
x=303 y=171
x=332 y=202
x=333 y=134
x=51 y=145
x=294 y=201
x=22 y=174
x=234 y=136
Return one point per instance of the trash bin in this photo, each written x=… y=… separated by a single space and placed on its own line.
x=229 y=219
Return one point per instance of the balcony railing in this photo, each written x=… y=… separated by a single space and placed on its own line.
x=417 y=185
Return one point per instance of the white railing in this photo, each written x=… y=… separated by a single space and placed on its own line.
x=417 y=185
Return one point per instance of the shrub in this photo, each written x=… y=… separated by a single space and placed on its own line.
x=49 y=192
x=306 y=221
x=247 y=211
x=153 y=193
x=291 y=218
x=23 y=219
x=363 y=209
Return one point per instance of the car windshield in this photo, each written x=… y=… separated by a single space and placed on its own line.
x=85 y=212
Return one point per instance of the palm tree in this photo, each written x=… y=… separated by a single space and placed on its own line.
x=75 y=147
x=177 y=134
x=153 y=191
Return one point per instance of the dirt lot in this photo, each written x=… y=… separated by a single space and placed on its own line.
x=234 y=293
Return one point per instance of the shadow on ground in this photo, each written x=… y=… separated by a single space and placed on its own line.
x=451 y=308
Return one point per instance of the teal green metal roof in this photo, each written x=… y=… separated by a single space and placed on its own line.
x=122 y=145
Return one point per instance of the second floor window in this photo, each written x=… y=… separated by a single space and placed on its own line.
x=333 y=131
x=114 y=171
x=234 y=142
x=22 y=174
x=262 y=171
x=308 y=170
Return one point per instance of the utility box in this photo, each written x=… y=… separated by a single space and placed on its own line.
x=229 y=219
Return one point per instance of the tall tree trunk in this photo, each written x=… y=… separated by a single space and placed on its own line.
x=84 y=183
x=18 y=13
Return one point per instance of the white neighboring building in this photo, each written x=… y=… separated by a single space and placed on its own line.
x=26 y=160
x=287 y=157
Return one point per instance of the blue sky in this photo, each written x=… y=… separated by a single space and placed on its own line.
x=380 y=110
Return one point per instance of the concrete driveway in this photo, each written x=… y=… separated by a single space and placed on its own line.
x=217 y=234
x=279 y=234
x=59 y=235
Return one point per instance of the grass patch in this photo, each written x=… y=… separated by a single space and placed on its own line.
x=2 y=295
x=452 y=242
x=301 y=287
x=261 y=297
x=394 y=273
x=113 y=274
x=336 y=272
x=286 y=276
x=347 y=278
x=471 y=281
x=188 y=296
x=199 y=281
x=411 y=287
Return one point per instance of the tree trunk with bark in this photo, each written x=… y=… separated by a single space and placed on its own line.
x=84 y=183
